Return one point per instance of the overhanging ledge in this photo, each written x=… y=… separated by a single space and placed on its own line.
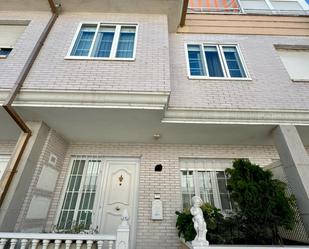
x=90 y=99
x=236 y=116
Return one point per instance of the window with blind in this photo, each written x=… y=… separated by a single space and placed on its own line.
x=215 y=61
x=4 y=159
x=296 y=62
x=78 y=202
x=9 y=34
x=105 y=41
x=206 y=178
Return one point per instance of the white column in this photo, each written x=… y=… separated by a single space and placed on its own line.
x=295 y=161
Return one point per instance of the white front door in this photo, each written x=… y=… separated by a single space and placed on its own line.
x=119 y=192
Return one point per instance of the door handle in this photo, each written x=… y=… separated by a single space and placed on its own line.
x=117 y=208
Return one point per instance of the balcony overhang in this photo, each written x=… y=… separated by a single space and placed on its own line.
x=171 y=8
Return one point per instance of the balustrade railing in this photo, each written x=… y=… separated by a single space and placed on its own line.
x=68 y=241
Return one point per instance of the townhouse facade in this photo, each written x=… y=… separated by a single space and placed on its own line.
x=110 y=105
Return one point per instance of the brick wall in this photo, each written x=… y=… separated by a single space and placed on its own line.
x=56 y=146
x=158 y=234
x=149 y=72
x=12 y=66
x=270 y=86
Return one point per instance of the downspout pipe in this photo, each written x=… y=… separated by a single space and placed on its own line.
x=7 y=105
x=184 y=13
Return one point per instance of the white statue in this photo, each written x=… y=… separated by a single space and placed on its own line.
x=199 y=222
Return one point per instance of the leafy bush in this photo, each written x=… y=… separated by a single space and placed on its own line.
x=220 y=230
x=263 y=204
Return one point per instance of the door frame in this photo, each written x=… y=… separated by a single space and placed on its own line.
x=103 y=188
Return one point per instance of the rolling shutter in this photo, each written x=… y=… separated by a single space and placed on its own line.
x=9 y=34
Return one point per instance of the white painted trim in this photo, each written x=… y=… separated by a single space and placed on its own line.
x=89 y=99
x=237 y=116
x=115 y=42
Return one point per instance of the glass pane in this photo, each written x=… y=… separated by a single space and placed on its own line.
x=195 y=60
x=84 y=40
x=4 y=52
x=205 y=186
x=255 y=6
x=187 y=187
x=213 y=61
x=233 y=62
x=225 y=202
x=104 y=41
x=126 y=42
x=224 y=194
x=287 y=6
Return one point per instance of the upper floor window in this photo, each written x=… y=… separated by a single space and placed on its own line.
x=109 y=41
x=296 y=62
x=9 y=34
x=215 y=61
x=289 y=7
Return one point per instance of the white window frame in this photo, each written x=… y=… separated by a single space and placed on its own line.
x=66 y=183
x=215 y=187
x=114 y=44
x=222 y=60
x=6 y=56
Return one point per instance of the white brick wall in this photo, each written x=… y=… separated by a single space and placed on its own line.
x=270 y=87
x=159 y=234
x=149 y=72
x=55 y=145
x=12 y=66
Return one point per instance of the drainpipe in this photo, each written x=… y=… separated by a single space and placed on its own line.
x=184 y=13
x=7 y=105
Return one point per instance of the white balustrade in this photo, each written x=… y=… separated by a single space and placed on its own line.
x=67 y=241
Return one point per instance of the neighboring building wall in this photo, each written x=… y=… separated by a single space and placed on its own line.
x=148 y=72
x=246 y=24
x=158 y=234
x=12 y=66
x=35 y=208
x=7 y=147
x=270 y=87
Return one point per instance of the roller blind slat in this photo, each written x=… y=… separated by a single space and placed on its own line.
x=296 y=63
x=9 y=34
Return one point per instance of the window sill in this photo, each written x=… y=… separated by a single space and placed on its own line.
x=300 y=80
x=219 y=79
x=97 y=58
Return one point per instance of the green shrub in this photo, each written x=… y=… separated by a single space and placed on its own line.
x=220 y=230
x=262 y=201
x=262 y=205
